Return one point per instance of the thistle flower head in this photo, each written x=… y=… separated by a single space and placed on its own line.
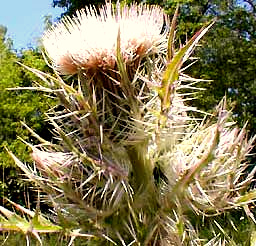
x=51 y=162
x=89 y=39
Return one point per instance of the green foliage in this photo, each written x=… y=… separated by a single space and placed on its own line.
x=226 y=56
x=17 y=106
x=228 y=59
x=231 y=221
x=72 y=5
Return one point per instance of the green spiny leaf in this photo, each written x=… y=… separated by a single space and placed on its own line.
x=249 y=197
x=171 y=73
x=171 y=39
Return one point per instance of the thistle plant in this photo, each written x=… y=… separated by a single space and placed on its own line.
x=129 y=164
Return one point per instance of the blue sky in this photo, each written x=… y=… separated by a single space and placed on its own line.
x=25 y=19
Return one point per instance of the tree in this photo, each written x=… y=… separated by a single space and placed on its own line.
x=72 y=5
x=17 y=106
x=227 y=57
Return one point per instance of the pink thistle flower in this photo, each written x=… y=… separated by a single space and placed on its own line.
x=89 y=40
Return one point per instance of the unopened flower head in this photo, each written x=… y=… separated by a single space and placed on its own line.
x=51 y=162
x=89 y=39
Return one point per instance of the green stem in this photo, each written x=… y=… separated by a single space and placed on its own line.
x=142 y=167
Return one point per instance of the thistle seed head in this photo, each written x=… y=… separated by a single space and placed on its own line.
x=89 y=39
